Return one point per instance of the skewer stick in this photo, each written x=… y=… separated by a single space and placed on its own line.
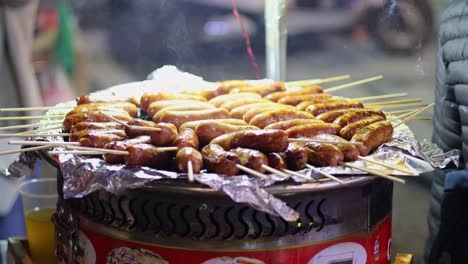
x=400 y=106
x=190 y=171
x=400 y=111
x=34 y=135
x=312 y=168
x=7 y=118
x=20 y=109
x=33 y=131
x=318 y=81
x=421 y=118
x=415 y=100
x=100 y=150
x=141 y=128
x=348 y=85
x=168 y=149
x=386 y=165
x=29 y=125
x=388 y=177
x=251 y=172
x=22 y=150
x=384 y=96
x=324 y=141
x=300 y=175
x=275 y=171
x=41 y=143
x=414 y=114
x=75 y=152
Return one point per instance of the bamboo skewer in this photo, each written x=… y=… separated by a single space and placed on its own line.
x=8 y=152
x=41 y=143
x=400 y=111
x=300 y=175
x=29 y=125
x=100 y=151
x=312 y=168
x=348 y=85
x=388 y=177
x=20 y=109
x=386 y=165
x=32 y=131
x=275 y=171
x=324 y=141
x=76 y=152
x=34 y=135
x=317 y=81
x=141 y=128
x=384 y=96
x=251 y=172
x=8 y=118
x=415 y=100
x=190 y=171
x=414 y=114
x=421 y=118
x=399 y=106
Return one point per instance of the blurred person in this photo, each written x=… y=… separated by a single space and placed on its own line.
x=448 y=216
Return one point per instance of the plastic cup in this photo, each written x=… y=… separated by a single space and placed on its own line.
x=39 y=203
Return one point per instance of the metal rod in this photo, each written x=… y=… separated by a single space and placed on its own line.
x=276 y=35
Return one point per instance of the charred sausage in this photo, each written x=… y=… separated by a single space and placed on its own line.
x=296 y=156
x=276 y=161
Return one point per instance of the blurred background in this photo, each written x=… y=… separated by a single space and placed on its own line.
x=86 y=45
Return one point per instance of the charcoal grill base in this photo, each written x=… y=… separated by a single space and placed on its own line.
x=206 y=225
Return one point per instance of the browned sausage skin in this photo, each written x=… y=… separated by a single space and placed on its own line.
x=296 y=156
x=320 y=108
x=312 y=130
x=277 y=115
x=148 y=98
x=186 y=155
x=187 y=138
x=165 y=136
x=95 y=125
x=323 y=154
x=284 y=125
x=276 y=161
x=219 y=161
x=251 y=158
x=372 y=136
x=350 y=152
x=210 y=130
x=313 y=89
x=348 y=131
x=265 y=141
x=147 y=155
x=98 y=140
x=123 y=145
x=178 y=118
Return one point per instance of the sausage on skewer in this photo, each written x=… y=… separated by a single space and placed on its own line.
x=348 y=131
x=372 y=136
x=123 y=145
x=186 y=155
x=219 y=161
x=265 y=141
x=251 y=158
x=323 y=154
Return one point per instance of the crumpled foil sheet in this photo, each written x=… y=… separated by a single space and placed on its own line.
x=85 y=174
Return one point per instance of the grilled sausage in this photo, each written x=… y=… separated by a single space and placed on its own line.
x=296 y=99
x=83 y=133
x=225 y=87
x=355 y=116
x=372 y=136
x=166 y=136
x=249 y=115
x=240 y=102
x=180 y=117
x=147 y=155
x=319 y=108
x=330 y=116
x=123 y=145
x=131 y=132
x=262 y=90
x=117 y=107
x=219 y=161
x=296 y=156
x=98 y=98
x=70 y=121
x=98 y=140
x=323 y=154
x=276 y=161
x=187 y=138
x=181 y=108
x=284 y=125
x=240 y=111
x=348 y=131
x=350 y=152
x=312 y=130
x=219 y=100
x=251 y=158
x=157 y=106
x=208 y=131
x=95 y=125
x=186 y=154
x=148 y=98
x=313 y=89
x=304 y=104
x=265 y=141
x=277 y=115
x=231 y=121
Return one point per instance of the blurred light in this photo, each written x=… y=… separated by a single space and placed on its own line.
x=216 y=28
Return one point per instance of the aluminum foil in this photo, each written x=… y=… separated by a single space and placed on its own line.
x=85 y=174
